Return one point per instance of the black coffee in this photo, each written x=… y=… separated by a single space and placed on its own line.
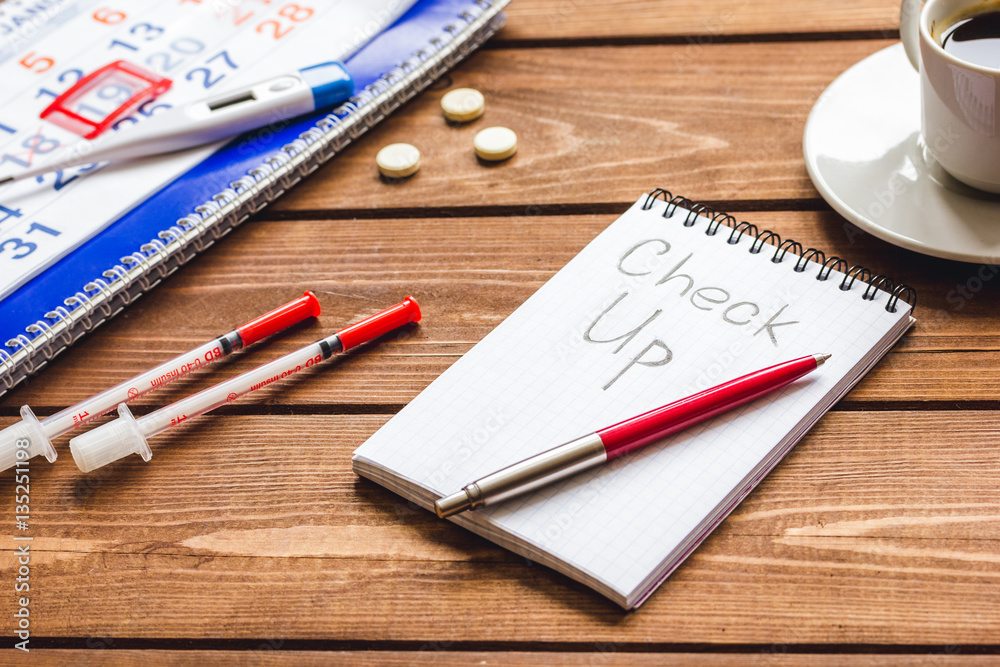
x=975 y=40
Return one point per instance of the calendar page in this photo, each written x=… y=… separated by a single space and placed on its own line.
x=202 y=46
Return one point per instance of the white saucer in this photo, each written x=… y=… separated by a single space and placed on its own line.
x=865 y=155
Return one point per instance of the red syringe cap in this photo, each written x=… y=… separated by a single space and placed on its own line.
x=278 y=319
x=404 y=312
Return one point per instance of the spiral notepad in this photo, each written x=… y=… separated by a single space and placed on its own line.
x=670 y=299
x=60 y=306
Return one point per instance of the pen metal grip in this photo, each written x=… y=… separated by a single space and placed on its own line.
x=538 y=471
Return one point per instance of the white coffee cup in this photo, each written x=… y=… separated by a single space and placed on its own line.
x=960 y=101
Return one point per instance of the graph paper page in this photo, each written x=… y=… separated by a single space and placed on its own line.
x=648 y=312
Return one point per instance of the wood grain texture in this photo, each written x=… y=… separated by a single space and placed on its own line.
x=858 y=474
x=720 y=123
x=468 y=274
x=879 y=528
x=876 y=538
x=271 y=653
x=757 y=591
x=546 y=20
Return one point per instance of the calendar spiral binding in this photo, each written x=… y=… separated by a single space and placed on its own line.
x=875 y=283
x=104 y=297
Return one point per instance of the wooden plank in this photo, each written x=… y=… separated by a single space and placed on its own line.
x=545 y=20
x=274 y=653
x=879 y=528
x=722 y=122
x=282 y=486
x=468 y=274
x=757 y=591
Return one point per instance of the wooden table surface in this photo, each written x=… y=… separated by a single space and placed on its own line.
x=248 y=539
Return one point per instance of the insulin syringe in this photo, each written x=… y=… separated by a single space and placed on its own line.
x=127 y=435
x=31 y=436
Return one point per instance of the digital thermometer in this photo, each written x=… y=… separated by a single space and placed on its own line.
x=210 y=119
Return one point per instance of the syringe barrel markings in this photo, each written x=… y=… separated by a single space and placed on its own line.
x=228 y=391
x=131 y=389
x=39 y=434
x=127 y=435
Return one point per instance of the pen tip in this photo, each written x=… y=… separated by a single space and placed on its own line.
x=821 y=358
x=5 y=180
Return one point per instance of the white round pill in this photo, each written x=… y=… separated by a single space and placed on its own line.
x=463 y=104
x=398 y=160
x=495 y=144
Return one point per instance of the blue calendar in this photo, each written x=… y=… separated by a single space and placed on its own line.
x=200 y=46
x=162 y=226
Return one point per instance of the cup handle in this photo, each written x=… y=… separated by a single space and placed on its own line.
x=909 y=30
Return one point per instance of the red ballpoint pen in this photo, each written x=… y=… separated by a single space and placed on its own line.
x=600 y=447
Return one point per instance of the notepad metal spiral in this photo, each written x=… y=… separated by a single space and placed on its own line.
x=761 y=237
x=105 y=297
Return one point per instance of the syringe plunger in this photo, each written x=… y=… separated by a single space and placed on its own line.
x=39 y=435
x=127 y=435
x=26 y=435
x=115 y=440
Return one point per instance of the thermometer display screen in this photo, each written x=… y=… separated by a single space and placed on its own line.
x=231 y=101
